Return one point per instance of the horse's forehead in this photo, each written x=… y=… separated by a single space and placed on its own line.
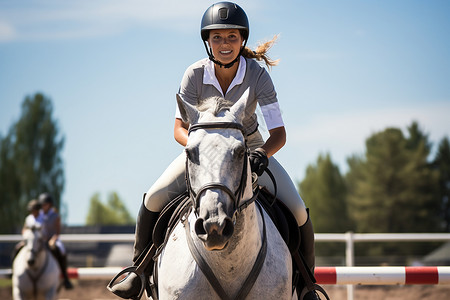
x=222 y=116
x=221 y=138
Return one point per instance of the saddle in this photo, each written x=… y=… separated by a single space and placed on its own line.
x=282 y=217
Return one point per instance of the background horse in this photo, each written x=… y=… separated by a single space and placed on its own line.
x=36 y=274
x=227 y=248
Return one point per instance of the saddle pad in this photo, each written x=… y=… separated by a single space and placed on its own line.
x=169 y=212
x=282 y=217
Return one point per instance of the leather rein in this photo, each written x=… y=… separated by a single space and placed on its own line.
x=237 y=199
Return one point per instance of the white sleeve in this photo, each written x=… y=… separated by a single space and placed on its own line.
x=272 y=115
x=177 y=112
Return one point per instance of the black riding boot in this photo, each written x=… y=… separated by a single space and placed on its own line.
x=146 y=220
x=307 y=250
x=62 y=261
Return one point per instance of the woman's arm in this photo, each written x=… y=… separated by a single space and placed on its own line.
x=276 y=141
x=180 y=132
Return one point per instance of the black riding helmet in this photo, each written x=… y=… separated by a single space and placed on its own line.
x=33 y=205
x=45 y=198
x=224 y=15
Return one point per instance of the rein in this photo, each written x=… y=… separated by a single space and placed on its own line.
x=35 y=279
x=209 y=274
x=239 y=207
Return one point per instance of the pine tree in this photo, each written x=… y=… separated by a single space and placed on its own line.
x=442 y=165
x=324 y=191
x=30 y=161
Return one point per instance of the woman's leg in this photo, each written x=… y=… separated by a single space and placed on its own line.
x=168 y=186
x=286 y=190
x=287 y=193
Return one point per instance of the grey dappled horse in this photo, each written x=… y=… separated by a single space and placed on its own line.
x=36 y=273
x=224 y=249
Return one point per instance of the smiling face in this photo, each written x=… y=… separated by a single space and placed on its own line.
x=225 y=44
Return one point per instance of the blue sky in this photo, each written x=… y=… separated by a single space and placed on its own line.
x=348 y=69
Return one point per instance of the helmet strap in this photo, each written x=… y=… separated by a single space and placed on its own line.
x=214 y=60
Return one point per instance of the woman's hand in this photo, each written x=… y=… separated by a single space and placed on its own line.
x=258 y=161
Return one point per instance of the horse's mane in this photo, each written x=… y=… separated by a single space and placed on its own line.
x=214 y=105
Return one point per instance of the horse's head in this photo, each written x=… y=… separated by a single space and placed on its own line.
x=34 y=243
x=218 y=173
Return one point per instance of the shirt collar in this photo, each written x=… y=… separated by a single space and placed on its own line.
x=209 y=76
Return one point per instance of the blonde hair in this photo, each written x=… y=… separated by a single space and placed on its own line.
x=260 y=53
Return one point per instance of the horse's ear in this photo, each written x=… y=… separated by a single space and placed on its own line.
x=238 y=109
x=189 y=113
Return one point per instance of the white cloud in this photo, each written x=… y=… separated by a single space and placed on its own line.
x=7 y=32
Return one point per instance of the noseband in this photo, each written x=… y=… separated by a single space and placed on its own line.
x=238 y=194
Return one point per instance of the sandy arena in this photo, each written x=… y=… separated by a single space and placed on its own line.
x=96 y=290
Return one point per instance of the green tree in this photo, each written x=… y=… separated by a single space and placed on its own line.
x=324 y=190
x=393 y=188
x=30 y=161
x=442 y=165
x=114 y=212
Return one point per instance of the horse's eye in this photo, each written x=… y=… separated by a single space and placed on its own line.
x=238 y=151
x=192 y=154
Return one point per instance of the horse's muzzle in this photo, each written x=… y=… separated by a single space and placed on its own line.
x=214 y=233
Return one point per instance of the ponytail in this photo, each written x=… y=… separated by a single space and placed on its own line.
x=260 y=53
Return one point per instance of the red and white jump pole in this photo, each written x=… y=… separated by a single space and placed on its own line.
x=383 y=275
x=324 y=275
x=331 y=275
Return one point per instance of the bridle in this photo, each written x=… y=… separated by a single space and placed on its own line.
x=35 y=277
x=237 y=195
x=238 y=207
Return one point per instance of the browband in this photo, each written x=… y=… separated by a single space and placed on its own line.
x=216 y=125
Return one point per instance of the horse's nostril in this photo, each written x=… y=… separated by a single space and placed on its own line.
x=31 y=262
x=199 y=227
x=228 y=228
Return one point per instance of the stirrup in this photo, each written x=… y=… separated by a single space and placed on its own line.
x=316 y=288
x=128 y=270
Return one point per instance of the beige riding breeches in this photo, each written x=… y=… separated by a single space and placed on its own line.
x=172 y=183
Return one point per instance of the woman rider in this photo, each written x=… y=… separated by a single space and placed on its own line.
x=229 y=70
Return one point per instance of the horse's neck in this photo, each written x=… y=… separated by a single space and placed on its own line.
x=237 y=259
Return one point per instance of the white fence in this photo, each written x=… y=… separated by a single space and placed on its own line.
x=349 y=238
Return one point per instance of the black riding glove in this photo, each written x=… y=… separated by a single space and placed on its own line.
x=258 y=161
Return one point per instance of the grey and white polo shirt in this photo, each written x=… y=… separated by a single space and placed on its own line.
x=200 y=82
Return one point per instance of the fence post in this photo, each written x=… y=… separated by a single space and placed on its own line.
x=349 y=259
